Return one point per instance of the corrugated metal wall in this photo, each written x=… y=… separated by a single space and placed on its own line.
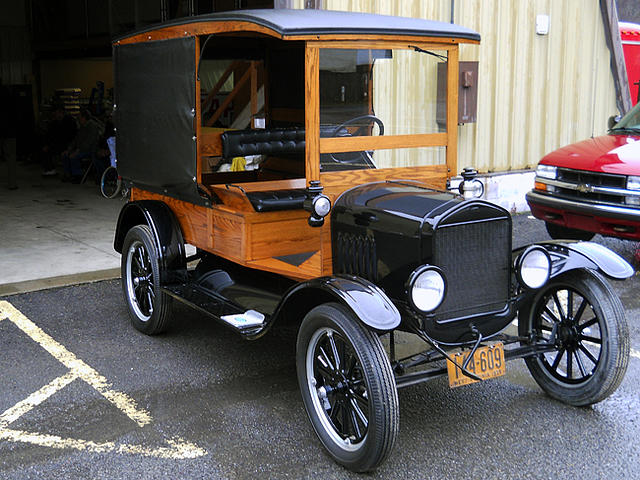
x=536 y=92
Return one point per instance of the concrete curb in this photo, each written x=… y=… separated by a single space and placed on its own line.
x=59 y=281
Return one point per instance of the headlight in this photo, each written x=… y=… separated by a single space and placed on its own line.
x=534 y=267
x=547 y=171
x=633 y=183
x=426 y=288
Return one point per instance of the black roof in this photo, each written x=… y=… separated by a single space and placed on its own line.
x=312 y=22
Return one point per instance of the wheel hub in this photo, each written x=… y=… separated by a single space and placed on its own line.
x=568 y=335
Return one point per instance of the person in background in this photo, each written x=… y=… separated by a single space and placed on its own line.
x=59 y=133
x=83 y=146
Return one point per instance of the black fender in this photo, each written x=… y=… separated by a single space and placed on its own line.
x=166 y=233
x=567 y=255
x=366 y=300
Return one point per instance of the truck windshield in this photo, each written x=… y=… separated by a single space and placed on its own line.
x=631 y=121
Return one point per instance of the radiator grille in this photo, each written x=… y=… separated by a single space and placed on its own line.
x=357 y=255
x=579 y=177
x=475 y=258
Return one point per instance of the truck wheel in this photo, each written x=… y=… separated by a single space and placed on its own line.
x=558 y=232
x=348 y=387
x=149 y=308
x=583 y=317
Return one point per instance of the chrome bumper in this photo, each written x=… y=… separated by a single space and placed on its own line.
x=583 y=208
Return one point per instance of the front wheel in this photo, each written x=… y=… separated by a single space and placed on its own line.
x=347 y=386
x=581 y=315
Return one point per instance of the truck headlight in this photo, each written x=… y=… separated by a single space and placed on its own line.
x=633 y=183
x=533 y=267
x=547 y=171
x=426 y=288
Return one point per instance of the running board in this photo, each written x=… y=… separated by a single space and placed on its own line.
x=213 y=305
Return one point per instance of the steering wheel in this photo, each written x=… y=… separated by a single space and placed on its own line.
x=352 y=158
x=371 y=118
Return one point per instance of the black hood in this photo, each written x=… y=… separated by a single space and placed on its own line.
x=377 y=230
x=383 y=231
x=405 y=199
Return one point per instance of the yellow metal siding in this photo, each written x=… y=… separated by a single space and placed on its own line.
x=536 y=92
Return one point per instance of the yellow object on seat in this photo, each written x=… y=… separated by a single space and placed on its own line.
x=238 y=164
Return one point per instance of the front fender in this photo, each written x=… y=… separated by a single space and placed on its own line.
x=367 y=301
x=567 y=255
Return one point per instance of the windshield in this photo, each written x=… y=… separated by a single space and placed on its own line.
x=631 y=121
x=383 y=92
x=398 y=87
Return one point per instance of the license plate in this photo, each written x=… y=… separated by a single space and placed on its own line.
x=488 y=362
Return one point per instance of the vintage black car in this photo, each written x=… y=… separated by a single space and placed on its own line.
x=302 y=154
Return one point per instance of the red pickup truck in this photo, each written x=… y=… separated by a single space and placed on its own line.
x=592 y=186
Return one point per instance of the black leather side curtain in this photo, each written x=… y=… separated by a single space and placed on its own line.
x=154 y=116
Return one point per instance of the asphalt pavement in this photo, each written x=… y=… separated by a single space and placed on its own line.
x=84 y=395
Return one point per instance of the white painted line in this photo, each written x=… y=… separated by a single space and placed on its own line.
x=120 y=400
x=176 y=448
x=635 y=353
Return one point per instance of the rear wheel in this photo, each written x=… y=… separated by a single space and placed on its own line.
x=149 y=308
x=347 y=387
x=558 y=232
x=583 y=317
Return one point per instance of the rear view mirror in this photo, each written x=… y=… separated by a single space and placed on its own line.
x=613 y=120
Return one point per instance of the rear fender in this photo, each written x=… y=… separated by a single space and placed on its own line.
x=166 y=233
x=367 y=302
x=567 y=256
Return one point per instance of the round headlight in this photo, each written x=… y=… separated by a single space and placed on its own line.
x=426 y=288
x=321 y=205
x=534 y=267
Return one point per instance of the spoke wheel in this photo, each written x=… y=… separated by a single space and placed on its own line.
x=110 y=183
x=347 y=387
x=149 y=308
x=583 y=318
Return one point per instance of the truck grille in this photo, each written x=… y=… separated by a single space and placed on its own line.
x=579 y=177
x=475 y=258
x=356 y=255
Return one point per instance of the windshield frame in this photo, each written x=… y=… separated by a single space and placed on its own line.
x=632 y=116
x=316 y=145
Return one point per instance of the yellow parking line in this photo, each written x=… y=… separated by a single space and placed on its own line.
x=35 y=399
x=178 y=449
x=120 y=400
x=175 y=448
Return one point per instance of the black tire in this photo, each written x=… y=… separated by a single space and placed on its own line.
x=110 y=183
x=592 y=338
x=353 y=406
x=558 y=232
x=149 y=308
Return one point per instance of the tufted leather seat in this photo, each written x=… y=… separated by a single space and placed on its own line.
x=275 y=141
